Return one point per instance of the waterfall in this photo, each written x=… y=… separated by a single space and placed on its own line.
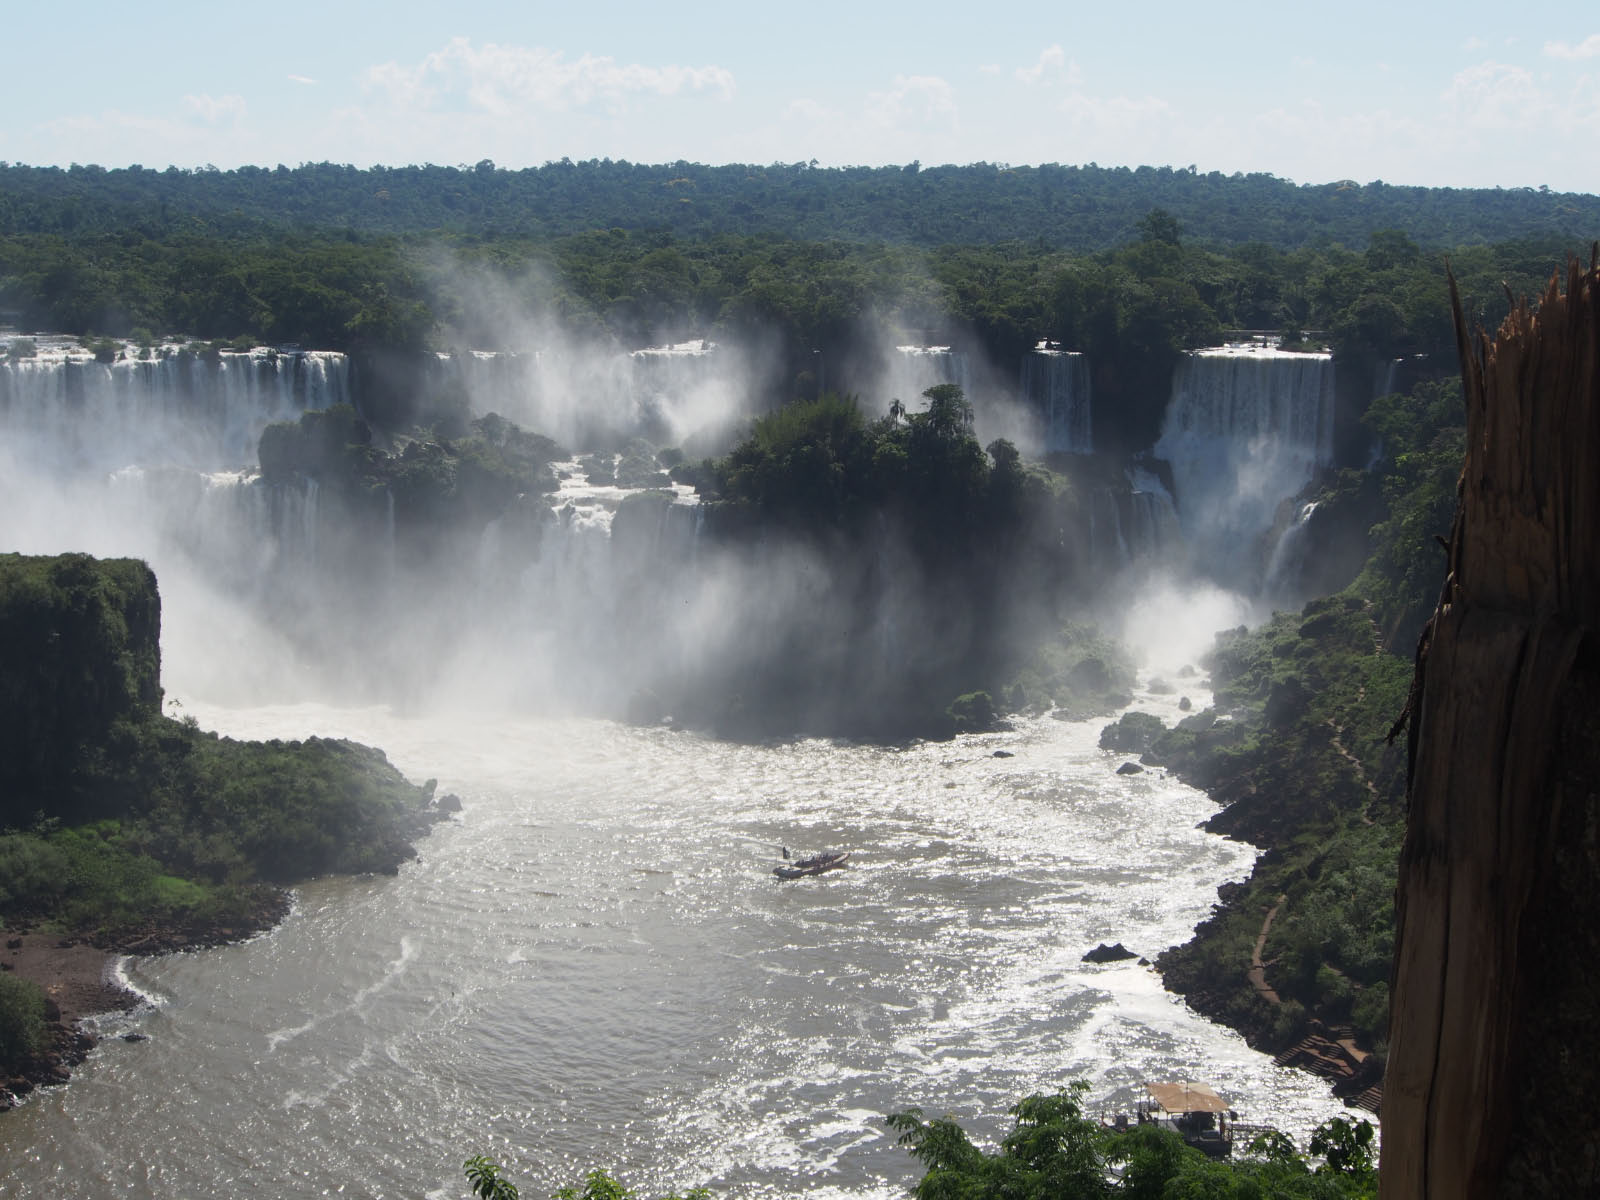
x=389 y=554
x=1246 y=428
x=1130 y=525
x=915 y=369
x=599 y=397
x=1281 y=585
x=506 y=382
x=1055 y=385
x=172 y=408
x=692 y=391
x=1385 y=377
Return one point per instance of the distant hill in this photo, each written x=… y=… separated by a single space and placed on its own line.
x=1058 y=207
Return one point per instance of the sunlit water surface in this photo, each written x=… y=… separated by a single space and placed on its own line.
x=593 y=966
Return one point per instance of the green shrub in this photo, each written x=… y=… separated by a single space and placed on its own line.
x=1371 y=1011
x=22 y=1028
x=973 y=712
x=31 y=872
x=1055 y=1150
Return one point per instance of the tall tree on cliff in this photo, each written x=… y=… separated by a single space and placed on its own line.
x=1493 y=1084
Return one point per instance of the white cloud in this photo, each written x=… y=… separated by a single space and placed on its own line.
x=1052 y=60
x=116 y=122
x=1473 y=44
x=504 y=80
x=213 y=109
x=1339 y=139
x=1119 y=114
x=914 y=99
x=806 y=109
x=1588 y=48
x=1495 y=95
x=301 y=79
x=114 y=136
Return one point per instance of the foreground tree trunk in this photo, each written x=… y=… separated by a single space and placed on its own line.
x=1493 y=1082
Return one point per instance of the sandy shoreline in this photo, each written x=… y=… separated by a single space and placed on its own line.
x=77 y=982
x=78 y=979
x=74 y=975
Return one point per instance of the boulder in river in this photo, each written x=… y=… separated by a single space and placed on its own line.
x=1116 y=952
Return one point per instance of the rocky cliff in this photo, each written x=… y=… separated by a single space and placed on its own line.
x=79 y=652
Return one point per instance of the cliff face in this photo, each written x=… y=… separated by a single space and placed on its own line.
x=1493 y=1084
x=79 y=652
x=135 y=801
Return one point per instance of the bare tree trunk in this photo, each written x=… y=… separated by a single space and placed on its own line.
x=1491 y=1021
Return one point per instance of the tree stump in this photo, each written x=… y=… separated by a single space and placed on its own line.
x=1493 y=1081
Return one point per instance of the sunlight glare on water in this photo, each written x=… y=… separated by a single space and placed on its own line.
x=594 y=967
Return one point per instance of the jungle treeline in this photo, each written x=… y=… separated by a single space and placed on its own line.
x=1128 y=266
x=1132 y=308
x=1083 y=208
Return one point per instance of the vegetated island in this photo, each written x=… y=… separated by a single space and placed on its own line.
x=952 y=594
x=125 y=831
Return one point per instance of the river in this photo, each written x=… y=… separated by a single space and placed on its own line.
x=593 y=966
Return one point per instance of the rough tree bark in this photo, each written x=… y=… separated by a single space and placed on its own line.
x=1493 y=1081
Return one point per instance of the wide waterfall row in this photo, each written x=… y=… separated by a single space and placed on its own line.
x=1055 y=384
x=1246 y=429
x=175 y=408
x=1238 y=394
x=915 y=369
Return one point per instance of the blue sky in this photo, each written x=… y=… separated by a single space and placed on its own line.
x=1464 y=94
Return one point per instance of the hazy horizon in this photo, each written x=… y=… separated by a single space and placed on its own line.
x=1499 y=100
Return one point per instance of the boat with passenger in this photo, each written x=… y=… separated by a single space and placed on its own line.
x=815 y=865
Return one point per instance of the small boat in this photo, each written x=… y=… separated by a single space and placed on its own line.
x=815 y=865
x=1191 y=1110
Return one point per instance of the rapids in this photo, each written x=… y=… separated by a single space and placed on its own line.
x=593 y=966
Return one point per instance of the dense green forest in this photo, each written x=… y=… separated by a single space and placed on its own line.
x=1053 y=206
x=1159 y=289
x=907 y=507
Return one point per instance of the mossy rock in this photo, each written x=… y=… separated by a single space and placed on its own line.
x=1133 y=733
x=973 y=712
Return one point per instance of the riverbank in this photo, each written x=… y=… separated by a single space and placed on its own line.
x=77 y=975
x=1297 y=956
